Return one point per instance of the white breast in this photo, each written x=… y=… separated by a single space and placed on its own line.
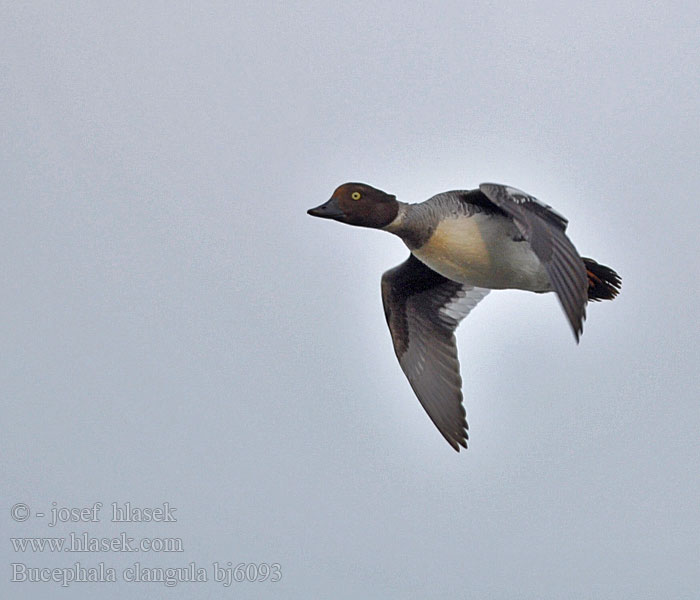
x=479 y=250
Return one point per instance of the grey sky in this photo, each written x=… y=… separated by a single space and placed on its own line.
x=176 y=329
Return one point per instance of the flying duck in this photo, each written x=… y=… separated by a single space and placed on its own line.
x=464 y=244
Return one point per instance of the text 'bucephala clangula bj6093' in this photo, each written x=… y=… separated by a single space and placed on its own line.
x=463 y=244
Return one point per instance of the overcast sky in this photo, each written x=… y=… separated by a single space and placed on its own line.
x=176 y=329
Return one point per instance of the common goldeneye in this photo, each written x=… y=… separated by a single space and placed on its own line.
x=463 y=244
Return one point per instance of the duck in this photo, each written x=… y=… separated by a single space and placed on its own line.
x=463 y=244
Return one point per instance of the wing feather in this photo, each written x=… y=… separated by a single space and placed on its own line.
x=545 y=229
x=423 y=309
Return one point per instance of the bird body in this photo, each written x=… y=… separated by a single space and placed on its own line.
x=480 y=248
x=463 y=244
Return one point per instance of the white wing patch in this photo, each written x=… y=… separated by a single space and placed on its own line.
x=520 y=197
x=462 y=303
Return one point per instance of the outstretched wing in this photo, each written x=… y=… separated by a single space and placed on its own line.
x=423 y=309
x=544 y=229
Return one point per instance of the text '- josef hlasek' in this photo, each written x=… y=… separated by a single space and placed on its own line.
x=117 y=513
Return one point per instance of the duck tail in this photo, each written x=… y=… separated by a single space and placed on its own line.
x=603 y=282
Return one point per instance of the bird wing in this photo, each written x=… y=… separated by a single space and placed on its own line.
x=423 y=309
x=544 y=229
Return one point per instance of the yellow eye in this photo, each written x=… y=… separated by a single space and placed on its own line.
x=356 y=195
